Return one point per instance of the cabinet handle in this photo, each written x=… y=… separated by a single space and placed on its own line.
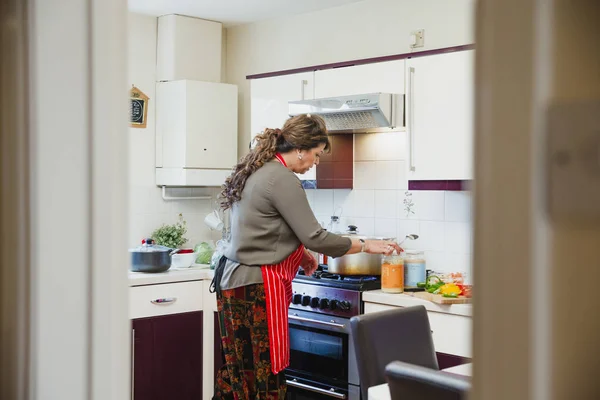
x=165 y=300
x=303 y=82
x=411 y=113
x=132 y=363
x=330 y=393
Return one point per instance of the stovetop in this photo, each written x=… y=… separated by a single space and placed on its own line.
x=323 y=278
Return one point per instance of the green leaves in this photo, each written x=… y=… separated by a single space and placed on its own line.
x=171 y=235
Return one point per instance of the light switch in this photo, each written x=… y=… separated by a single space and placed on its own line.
x=417 y=38
x=573 y=162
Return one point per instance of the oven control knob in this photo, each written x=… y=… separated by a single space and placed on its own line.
x=314 y=302
x=323 y=304
x=334 y=304
x=305 y=300
x=297 y=299
x=344 y=305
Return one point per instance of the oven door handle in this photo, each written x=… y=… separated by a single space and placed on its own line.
x=330 y=392
x=316 y=321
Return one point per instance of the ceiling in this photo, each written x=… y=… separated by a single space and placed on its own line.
x=232 y=12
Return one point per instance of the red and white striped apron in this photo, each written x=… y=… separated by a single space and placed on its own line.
x=278 y=295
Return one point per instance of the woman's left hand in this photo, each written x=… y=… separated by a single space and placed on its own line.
x=309 y=263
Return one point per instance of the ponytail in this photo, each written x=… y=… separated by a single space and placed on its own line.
x=265 y=150
x=301 y=132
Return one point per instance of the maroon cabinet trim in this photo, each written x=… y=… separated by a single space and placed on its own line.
x=363 y=61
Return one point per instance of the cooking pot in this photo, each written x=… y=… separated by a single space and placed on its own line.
x=150 y=257
x=358 y=263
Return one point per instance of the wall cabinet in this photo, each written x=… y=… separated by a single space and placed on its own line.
x=384 y=77
x=167 y=357
x=269 y=104
x=439 y=112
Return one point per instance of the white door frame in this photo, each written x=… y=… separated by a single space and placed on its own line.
x=72 y=156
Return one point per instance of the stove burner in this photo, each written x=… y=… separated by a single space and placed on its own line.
x=324 y=278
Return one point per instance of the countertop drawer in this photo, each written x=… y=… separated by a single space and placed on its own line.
x=171 y=298
x=451 y=333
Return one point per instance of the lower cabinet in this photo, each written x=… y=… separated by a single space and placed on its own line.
x=219 y=357
x=167 y=357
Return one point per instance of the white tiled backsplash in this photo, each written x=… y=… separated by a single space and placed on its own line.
x=376 y=205
x=149 y=211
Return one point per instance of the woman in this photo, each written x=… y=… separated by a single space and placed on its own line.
x=272 y=226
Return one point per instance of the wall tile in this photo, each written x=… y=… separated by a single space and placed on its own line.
x=343 y=202
x=408 y=227
x=323 y=202
x=431 y=236
x=458 y=206
x=380 y=147
x=402 y=175
x=364 y=174
x=436 y=261
x=386 y=175
x=386 y=204
x=428 y=206
x=386 y=227
x=457 y=237
x=364 y=203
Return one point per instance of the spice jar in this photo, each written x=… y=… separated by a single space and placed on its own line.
x=392 y=274
x=414 y=268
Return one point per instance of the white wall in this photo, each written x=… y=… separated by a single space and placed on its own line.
x=376 y=205
x=370 y=28
x=148 y=210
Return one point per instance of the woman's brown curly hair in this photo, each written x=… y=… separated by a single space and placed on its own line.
x=302 y=132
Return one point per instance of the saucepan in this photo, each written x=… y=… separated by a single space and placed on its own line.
x=150 y=257
x=358 y=263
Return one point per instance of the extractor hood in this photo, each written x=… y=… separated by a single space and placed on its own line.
x=365 y=113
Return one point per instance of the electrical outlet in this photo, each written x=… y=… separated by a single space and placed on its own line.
x=417 y=38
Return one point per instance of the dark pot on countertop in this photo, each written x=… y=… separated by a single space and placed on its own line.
x=358 y=263
x=150 y=257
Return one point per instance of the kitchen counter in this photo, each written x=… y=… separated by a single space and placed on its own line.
x=408 y=300
x=195 y=273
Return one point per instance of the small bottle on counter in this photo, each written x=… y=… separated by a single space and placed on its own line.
x=414 y=268
x=392 y=273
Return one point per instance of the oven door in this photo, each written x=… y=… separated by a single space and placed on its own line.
x=321 y=349
x=306 y=389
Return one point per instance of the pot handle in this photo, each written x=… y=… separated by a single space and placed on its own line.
x=174 y=252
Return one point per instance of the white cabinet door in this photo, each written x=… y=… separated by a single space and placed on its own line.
x=384 y=77
x=439 y=111
x=269 y=102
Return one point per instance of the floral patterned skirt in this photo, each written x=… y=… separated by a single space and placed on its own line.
x=246 y=374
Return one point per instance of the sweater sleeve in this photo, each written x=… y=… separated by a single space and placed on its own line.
x=289 y=198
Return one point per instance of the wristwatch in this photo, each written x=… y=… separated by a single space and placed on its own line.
x=362 y=245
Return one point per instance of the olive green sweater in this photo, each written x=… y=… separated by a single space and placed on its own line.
x=269 y=222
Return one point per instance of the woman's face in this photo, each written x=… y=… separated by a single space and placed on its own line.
x=308 y=159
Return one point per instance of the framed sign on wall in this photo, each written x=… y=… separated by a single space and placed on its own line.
x=138 y=108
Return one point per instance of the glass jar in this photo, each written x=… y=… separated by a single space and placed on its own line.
x=414 y=268
x=392 y=274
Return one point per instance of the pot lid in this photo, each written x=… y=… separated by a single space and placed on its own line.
x=148 y=246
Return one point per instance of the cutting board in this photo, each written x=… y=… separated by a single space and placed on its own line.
x=439 y=299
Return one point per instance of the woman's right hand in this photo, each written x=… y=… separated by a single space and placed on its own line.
x=386 y=247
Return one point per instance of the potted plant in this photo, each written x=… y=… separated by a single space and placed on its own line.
x=171 y=235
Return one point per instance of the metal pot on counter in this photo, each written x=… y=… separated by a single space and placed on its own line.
x=359 y=263
x=150 y=257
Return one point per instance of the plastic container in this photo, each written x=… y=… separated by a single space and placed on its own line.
x=414 y=268
x=392 y=274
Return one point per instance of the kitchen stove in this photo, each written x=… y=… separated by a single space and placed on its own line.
x=322 y=356
x=331 y=294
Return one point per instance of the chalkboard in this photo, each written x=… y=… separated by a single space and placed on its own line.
x=138 y=108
